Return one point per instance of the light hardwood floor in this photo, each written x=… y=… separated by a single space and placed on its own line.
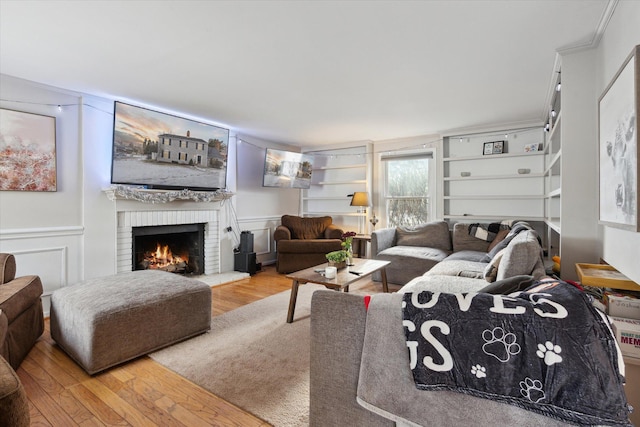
x=140 y=392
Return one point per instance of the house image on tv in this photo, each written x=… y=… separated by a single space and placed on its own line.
x=183 y=150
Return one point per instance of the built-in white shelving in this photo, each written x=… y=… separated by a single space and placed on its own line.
x=337 y=173
x=487 y=187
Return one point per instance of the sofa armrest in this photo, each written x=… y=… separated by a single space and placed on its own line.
x=382 y=239
x=281 y=233
x=7 y=268
x=337 y=336
x=333 y=232
x=523 y=255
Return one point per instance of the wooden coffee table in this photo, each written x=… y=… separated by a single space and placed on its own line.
x=344 y=278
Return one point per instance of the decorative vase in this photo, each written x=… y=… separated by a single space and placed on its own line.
x=350 y=256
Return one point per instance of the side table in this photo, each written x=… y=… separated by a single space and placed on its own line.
x=360 y=244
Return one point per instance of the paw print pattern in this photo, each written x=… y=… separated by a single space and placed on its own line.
x=550 y=353
x=532 y=389
x=499 y=344
x=479 y=371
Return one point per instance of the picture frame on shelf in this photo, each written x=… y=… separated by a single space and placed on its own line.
x=498 y=147
x=618 y=108
x=28 y=151
x=487 y=148
x=531 y=148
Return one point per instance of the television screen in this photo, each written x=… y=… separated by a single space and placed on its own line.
x=286 y=169
x=163 y=151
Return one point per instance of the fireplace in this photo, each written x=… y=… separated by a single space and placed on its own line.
x=172 y=248
x=129 y=219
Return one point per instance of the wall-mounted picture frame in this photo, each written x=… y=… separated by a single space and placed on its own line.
x=287 y=169
x=27 y=151
x=487 y=148
x=618 y=147
x=498 y=147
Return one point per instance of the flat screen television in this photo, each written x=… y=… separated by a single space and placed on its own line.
x=162 y=151
x=286 y=169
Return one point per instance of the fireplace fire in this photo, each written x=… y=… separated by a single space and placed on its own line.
x=173 y=248
x=163 y=259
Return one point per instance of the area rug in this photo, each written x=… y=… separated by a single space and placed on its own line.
x=253 y=358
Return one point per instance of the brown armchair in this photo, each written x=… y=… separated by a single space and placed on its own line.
x=303 y=242
x=20 y=311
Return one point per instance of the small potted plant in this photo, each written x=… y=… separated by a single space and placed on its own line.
x=337 y=258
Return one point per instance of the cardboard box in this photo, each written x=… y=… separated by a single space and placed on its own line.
x=623 y=306
x=628 y=336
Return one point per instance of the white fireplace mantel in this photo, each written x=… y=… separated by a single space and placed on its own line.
x=124 y=192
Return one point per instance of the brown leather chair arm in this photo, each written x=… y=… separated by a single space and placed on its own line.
x=333 y=232
x=7 y=268
x=281 y=233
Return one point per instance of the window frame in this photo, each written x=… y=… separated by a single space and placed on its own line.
x=431 y=199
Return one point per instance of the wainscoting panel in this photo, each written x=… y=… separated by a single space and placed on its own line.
x=262 y=229
x=53 y=254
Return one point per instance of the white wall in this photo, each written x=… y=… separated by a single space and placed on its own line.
x=620 y=248
x=259 y=208
x=579 y=202
x=69 y=235
x=44 y=230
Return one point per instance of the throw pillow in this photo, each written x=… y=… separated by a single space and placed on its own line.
x=431 y=235
x=499 y=238
x=491 y=271
x=508 y=286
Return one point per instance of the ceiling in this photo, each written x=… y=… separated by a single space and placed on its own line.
x=306 y=72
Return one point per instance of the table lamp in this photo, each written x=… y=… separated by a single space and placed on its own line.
x=360 y=199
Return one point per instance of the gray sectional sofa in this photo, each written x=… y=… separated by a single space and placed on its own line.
x=425 y=253
x=430 y=257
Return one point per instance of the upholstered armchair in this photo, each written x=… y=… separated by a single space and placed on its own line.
x=303 y=242
x=21 y=313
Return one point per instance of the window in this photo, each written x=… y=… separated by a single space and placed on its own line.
x=407 y=188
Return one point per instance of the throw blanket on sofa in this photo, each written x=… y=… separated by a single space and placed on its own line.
x=547 y=350
x=488 y=232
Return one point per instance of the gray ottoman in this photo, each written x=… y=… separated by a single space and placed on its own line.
x=106 y=321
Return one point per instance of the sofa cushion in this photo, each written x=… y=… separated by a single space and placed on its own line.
x=515 y=230
x=438 y=283
x=306 y=228
x=460 y=268
x=408 y=262
x=475 y=256
x=463 y=241
x=309 y=246
x=432 y=235
x=509 y=285
x=522 y=256
x=491 y=271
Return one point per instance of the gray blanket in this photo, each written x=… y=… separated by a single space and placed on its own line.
x=386 y=385
x=546 y=350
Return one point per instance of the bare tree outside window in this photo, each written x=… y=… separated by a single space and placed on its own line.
x=407 y=191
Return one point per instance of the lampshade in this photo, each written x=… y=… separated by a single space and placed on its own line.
x=360 y=199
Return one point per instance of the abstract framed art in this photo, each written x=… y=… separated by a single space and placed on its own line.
x=618 y=147
x=27 y=151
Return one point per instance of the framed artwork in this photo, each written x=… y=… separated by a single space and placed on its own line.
x=531 y=148
x=618 y=147
x=487 y=148
x=27 y=151
x=498 y=147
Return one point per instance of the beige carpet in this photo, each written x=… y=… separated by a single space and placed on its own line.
x=253 y=358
